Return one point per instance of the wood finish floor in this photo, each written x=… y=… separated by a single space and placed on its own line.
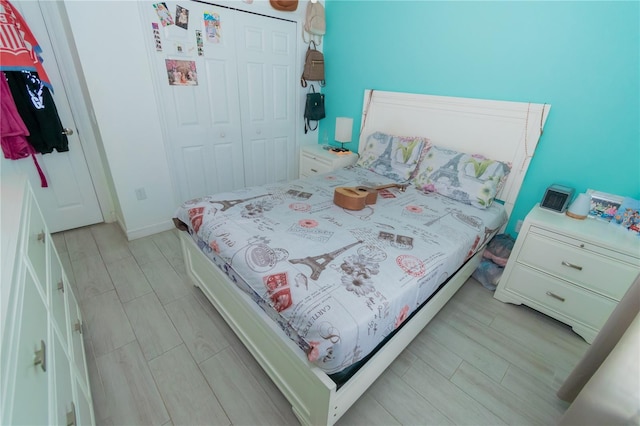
x=158 y=352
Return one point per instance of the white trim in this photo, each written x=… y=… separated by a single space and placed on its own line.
x=147 y=230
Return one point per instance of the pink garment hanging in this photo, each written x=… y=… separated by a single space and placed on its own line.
x=13 y=132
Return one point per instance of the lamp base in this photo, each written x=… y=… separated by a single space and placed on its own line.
x=575 y=216
x=339 y=151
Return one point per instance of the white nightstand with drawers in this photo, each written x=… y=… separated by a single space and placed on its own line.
x=575 y=271
x=315 y=160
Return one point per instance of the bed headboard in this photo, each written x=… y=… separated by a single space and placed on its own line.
x=500 y=130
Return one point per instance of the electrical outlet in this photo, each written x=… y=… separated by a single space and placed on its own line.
x=141 y=194
x=518 y=225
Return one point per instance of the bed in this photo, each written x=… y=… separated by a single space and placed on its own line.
x=326 y=298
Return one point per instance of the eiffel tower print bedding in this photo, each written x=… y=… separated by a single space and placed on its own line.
x=337 y=281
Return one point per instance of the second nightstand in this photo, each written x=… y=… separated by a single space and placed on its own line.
x=575 y=271
x=315 y=160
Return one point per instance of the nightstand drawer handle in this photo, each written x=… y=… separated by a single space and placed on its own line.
x=555 y=296
x=571 y=265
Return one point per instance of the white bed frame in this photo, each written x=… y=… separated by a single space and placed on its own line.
x=506 y=131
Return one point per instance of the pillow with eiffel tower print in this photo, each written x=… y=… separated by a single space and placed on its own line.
x=470 y=179
x=395 y=157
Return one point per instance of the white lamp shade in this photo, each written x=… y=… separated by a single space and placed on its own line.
x=344 y=127
x=580 y=207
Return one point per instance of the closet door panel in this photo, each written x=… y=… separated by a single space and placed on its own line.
x=242 y=99
x=266 y=64
x=201 y=114
x=194 y=165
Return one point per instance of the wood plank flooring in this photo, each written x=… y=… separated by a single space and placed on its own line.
x=159 y=354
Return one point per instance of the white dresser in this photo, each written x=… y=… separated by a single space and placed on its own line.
x=44 y=378
x=315 y=160
x=575 y=271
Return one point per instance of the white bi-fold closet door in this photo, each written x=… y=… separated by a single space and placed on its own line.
x=236 y=126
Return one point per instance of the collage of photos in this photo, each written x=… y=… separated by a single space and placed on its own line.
x=182 y=72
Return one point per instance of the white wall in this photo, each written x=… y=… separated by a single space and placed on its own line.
x=109 y=41
x=111 y=47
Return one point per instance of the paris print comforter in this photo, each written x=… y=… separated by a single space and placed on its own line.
x=337 y=281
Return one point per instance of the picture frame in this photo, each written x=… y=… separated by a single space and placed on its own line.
x=603 y=205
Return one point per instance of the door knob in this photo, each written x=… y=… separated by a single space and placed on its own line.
x=67 y=131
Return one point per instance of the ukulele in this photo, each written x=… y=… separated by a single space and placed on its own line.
x=357 y=197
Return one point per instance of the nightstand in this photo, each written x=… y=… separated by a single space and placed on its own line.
x=575 y=271
x=315 y=160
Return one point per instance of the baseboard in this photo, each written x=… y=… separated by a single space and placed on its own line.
x=133 y=234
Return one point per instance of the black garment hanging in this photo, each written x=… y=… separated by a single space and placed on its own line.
x=38 y=111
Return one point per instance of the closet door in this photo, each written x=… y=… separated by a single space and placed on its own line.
x=266 y=67
x=227 y=130
x=201 y=116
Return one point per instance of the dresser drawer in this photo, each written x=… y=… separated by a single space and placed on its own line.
x=561 y=297
x=310 y=166
x=601 y=274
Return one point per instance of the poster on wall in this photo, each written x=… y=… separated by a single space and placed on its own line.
x=182 y=17
x=181 y=73
x=163 y=13
x=212 y=27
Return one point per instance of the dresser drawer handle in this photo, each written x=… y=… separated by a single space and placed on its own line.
x=571 y=265
x=555 y=296
x=40 y=357
x=71 y=415
x=314 y=170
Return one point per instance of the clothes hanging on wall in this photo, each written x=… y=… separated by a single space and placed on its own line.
x=29 y=89
x=38 y=111
x=13 y=131
x=19 y=48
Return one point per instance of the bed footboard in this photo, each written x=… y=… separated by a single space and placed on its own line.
x=312 y=394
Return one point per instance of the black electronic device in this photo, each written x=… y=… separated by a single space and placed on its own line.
x=557 y=198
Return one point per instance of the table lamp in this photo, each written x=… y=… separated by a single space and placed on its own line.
x=580 y=207
x=344 y=127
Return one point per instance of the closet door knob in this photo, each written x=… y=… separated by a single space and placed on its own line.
x=67 y=131
x=77 y=326
x=40 y=236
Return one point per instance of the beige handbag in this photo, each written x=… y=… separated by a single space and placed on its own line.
x=313 y=66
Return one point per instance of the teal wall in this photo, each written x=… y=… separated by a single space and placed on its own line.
x=580 y=57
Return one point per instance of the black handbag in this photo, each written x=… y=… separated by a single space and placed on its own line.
x=313 y=109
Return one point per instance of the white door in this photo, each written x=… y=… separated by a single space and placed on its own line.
x=227 y=131
x=202 y=121
x=266 y=65
x=70 y=201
